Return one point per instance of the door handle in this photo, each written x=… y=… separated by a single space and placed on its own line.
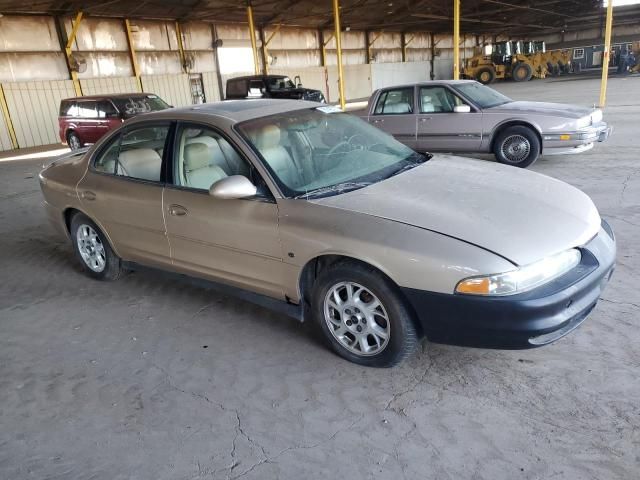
x=177 y=210
x=87 y=195
x=426 y=119
x=378 y=120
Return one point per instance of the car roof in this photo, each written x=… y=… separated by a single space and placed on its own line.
x=256 y=77
x=430 y=82
x=235 y=110
x=109 y=95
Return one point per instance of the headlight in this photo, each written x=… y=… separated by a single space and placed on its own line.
x=596 y=116
x=524 y=278
x=584 y=122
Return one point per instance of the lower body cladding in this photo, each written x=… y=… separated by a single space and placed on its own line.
x=526 y=320
x=576 y=142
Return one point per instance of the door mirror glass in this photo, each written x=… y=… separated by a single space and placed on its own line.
x=462 y=109
x=235 y=186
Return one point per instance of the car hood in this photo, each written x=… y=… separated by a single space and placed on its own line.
x=545 y=108
x=518 y=214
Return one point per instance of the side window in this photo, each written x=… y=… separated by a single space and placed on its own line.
x=203 y=157
x=135 y=154
x=87 y=110
x=68 y=109
x=438 y=100
x=395 y=102
x=578 y=53
x=106 y=110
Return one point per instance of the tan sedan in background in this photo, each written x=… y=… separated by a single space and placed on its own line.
x=315 y=212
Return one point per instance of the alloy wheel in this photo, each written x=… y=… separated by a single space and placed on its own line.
x=515 y=148
x=91 y=248
x=356 y=318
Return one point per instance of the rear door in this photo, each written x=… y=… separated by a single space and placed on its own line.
x=394 y=113
x=88 y=121
x=440 y=128
x=122 y=191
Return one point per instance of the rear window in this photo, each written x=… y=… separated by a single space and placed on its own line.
x=135 y=105
x=68 y=108
x=236 y=88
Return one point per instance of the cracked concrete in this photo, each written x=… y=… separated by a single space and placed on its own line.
x=147 y=378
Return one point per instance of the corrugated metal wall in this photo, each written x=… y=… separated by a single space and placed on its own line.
x=34 y=110
x=173 y=89
x=5 y=139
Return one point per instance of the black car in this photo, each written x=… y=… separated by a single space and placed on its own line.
x=271 y=86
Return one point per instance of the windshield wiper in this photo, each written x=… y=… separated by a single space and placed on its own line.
x=417 y=159
x=337 y=188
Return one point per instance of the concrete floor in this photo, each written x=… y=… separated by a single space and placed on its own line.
x=147 y=378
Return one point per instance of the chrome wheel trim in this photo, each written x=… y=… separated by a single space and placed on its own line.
x=357 y=319
x=74 y=142
x=91 y=248
x=515 y=148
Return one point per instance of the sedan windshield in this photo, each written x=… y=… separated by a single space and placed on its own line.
x=320 y=152
x=482 y=96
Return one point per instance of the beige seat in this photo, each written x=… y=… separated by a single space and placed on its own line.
x=268 y=142
x=200 y=168
x=400 y=107
x=143 y=163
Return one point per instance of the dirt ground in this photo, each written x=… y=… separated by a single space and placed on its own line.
x=148 y=378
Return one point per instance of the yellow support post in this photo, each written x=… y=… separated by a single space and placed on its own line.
x=336 y=20
x=456 y=39
x=607 y=50
x=252 y=35
x=7 y=119
x=68 y=50
x=132 y=54
x=324 y=49
x=180 y=45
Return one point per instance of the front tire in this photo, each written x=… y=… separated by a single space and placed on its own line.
x=485 y=75
x=92 y=248
x=517 y=146
x=363 y=316
x=522 y=72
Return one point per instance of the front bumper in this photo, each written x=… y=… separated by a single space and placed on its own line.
x=525 y=320
x=575 y=142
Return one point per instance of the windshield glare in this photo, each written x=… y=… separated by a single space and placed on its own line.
x=313 y=153
x=282 y=83
x=482 y=96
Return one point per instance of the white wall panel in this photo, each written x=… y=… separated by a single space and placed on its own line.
x=159 y=63
x=443 y=68
x=23 y=34
x=99 y=86
x=99 y=34
x=154 y=35
x=173 y=89
x=34 y=107
x=16 y=67
x=105 y=64
x=197 y=36
x=388 y=74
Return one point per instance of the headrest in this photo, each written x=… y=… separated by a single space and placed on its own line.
x=268 y=137
x=196 y=155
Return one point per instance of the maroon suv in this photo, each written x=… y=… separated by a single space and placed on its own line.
x=83 y=120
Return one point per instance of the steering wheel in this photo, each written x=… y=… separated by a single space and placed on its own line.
x=343 y=144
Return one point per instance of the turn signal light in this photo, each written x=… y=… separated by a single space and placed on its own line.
x=477 y=286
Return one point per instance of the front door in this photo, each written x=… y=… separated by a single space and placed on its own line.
x=394 y=113
x=442 y=129
x=234 y=241
x=123 y=190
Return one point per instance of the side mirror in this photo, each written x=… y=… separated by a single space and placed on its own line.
x=462 y=109
x=235 y=186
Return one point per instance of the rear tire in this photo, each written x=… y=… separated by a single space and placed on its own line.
x=486 y=75
x=517 y=146
x=522 y=72
x=73 y=141
x=92 y=248
x=362 y=315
